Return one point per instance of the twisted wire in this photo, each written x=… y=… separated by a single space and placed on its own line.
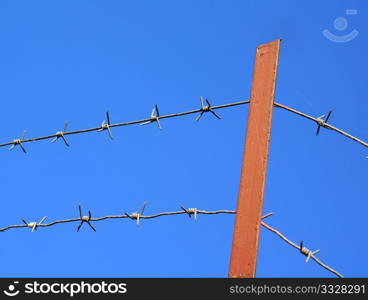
x=318 y=121
x=189 y=212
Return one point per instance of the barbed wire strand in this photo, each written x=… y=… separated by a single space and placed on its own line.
x=189 y=211
x=124 y=123
x=307 y=252
x=303 y=250
x=319 y=121
x=122 y=216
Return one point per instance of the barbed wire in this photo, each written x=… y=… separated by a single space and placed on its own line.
x=106 y=125
x=303 y=250
x=156 y=117
x=137 y=216
x=322 y=122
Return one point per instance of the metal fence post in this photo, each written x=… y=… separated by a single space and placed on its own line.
x=253 y=175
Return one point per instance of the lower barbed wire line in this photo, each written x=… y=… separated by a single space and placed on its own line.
x=122 y=216
x=171 y=213
x=190 y=211
x=278 y=233
x=203 y=212
x=326 y=125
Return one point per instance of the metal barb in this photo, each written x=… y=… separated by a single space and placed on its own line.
x=85 y=219
x=137 y=215
x=105 y=125
x=190 y=212
x=155 y=117
x=308 y=253
x=60 y=134
x=193 y=211
x=206 y=108
x=183 y=208
x=19 y=142
x=322 y=120
x=33 y=225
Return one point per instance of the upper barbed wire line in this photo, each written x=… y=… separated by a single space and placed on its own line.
x=320 y=122
x=125 y=123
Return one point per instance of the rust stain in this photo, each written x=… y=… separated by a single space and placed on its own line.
x=253 y=175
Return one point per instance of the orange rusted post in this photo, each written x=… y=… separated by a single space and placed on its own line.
x=253 y=175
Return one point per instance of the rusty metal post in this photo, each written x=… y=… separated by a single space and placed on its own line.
x=253 y=175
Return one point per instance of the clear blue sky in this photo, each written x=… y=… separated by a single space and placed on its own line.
x=73 y=60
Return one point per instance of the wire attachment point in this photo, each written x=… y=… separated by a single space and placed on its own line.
x=85 y=219
x=266 y=216
x=206 y=108
x=19 y=142
x=155 y=117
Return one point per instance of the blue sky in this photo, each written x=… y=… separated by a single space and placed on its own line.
x=73 y=60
